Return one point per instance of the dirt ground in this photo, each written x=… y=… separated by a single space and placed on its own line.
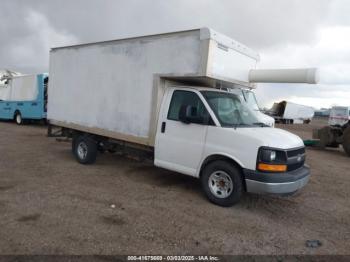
x=50 y=204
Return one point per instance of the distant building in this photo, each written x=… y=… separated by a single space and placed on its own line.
x=323 y=112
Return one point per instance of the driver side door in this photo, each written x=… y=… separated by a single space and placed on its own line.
x=179 y=146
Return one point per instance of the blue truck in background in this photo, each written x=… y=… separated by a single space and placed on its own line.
x=24 y=98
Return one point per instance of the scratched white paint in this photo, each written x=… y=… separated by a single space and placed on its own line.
x=110 y=85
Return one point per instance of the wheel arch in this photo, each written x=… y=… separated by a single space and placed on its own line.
x=218 y=156
x=17 y=111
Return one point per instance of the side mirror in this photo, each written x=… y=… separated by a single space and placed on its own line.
x=188 y=114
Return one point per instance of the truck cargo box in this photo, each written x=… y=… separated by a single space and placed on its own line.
x=112 y=88
x=288 y=112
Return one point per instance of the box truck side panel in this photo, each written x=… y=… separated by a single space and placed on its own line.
x=24 y=88
x=296 y=111
x=229 y=64
x=109 y=86
x=5 y=93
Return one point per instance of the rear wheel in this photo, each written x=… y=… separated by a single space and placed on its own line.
x=74 y=141
x=222 y=183
x=112 y=151
x=18 y=118
x=85 y=149
x=346 y=141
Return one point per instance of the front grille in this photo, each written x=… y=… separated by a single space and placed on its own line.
x=295 y=166
x=296 y=159
x=296 y=152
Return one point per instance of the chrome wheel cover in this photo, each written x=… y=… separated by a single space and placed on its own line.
x=82 y=150
x=220 y=184
x=18 y=119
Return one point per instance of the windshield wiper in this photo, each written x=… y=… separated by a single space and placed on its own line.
x=237 y=125
x=261 y=124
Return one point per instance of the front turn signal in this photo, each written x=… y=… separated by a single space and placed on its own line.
x=272 y=168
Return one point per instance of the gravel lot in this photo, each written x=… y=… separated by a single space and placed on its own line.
x=50 y=204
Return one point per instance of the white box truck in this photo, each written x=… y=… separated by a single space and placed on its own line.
x=23 y=97
x=291 y=113
x=170 y=95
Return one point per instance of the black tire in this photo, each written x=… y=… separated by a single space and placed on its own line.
x=74 y=141
x=236 y=177
x=85 y=149
x=112 y=151
x=346 y=140
x=18 y=118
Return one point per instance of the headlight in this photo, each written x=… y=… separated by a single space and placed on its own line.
x=267 y=155
x=272 y=160
x=273 y=156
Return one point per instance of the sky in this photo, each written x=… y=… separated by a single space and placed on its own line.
x=286 y=34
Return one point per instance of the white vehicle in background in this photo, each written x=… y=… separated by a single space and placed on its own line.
x=177 y=98
x=339 y=115
x=291 y=113
x=248 y=97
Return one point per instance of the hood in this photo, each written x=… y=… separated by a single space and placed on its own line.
x=274 y=137
x=263 y=118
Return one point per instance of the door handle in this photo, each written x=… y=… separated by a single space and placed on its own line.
x=162 y=130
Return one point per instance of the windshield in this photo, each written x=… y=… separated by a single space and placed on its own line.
x=229 y=109
x=339 y=112
x=249 y=97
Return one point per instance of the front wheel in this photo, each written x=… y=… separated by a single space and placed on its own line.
x=18 y=118
x=85 y=149
x=222 y=183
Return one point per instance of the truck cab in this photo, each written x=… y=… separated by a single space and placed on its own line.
x=212 y=135
x=339 y=116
